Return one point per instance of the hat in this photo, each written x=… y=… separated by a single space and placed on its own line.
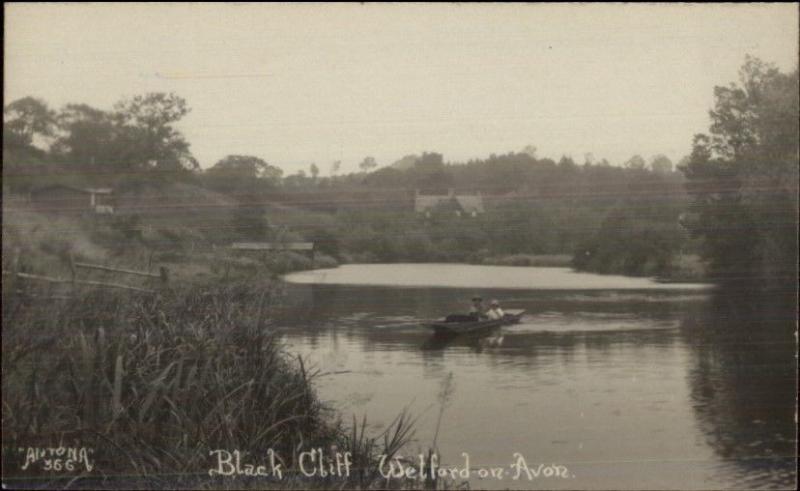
x=494 y=302
x=476 y=298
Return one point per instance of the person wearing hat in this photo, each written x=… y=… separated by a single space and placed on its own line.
x=495 y=312
x=477 y=310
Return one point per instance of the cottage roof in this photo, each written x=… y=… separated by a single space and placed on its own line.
x=426 y=202
x=468 y=203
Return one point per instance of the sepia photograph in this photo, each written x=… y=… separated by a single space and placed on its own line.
x=410 y=246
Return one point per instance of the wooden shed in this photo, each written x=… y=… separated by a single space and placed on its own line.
x=60 y=198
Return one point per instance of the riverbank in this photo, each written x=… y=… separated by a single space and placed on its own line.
x=152 y=384
x=46 y=243
x=541 y=260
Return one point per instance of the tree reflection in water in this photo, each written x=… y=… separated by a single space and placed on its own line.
x=743 y=384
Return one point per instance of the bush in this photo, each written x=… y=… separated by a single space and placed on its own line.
x=632 y=245
x=543 y=260
x=324 y=261
x=286 y=262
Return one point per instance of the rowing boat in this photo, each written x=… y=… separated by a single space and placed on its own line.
x=459 y=324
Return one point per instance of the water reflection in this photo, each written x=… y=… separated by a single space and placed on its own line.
x=743 y=384
x=631 y=390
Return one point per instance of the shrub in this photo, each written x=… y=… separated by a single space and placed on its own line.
x=324 y=261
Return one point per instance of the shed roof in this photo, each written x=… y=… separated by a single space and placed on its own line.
x=470 y=203
x=467 y=202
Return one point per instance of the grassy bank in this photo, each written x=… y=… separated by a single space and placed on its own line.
x=46 y=243
x=685 y=268
x=153 y=383
x=680 y=268
x=541 y=260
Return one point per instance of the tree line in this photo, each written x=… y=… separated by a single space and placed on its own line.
x=733 y=200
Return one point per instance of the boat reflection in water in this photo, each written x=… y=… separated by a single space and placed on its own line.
x=487 y=339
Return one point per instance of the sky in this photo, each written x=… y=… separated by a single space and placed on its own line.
x=296 y=84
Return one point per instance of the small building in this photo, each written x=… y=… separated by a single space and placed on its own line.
x=60 y=198
x=458 y=204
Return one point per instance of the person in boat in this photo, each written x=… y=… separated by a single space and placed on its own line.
x=477 y=310
x=495 y=312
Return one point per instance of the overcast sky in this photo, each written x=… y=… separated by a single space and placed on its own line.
x=295 y=84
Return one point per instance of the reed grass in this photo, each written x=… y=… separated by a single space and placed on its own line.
x=154 y=382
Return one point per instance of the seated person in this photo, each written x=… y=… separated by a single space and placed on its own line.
x=477 y=310
x=495 y=312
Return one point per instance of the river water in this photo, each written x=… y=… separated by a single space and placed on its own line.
x=625 y=383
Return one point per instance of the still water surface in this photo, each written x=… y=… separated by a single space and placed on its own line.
x=626 y=382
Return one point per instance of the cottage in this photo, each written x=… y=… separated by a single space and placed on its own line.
x=458 y=204
x=60 y=198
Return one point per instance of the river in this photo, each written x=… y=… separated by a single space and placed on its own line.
x=626 y=382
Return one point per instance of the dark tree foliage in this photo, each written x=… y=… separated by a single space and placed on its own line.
x=242 y=174
x=250 y=222
x=134 y=142
x=147 y=123
x=89 y=136
x=641 y=235
x=743 y=177
x=25 y=119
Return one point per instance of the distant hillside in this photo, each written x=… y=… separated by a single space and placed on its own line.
x=174 y=198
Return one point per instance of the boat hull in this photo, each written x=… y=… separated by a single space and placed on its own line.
x=473 y=327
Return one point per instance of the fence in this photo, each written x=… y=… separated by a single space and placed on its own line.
x=162 y=276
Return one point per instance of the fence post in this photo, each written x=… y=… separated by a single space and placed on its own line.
x=72 y=271
x=14 y=270
x=164 y=272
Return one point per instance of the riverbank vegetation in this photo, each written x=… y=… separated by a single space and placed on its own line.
x=153 y=383
x=742 y=178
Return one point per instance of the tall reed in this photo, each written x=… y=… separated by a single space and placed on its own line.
x=154 y=382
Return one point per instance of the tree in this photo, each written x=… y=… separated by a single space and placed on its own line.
x=631 y=241
x=314 y=171
x=88 y=136
x=635 y=162
x=367 y=164
x=430 y=161
x=147 y=123
x=298 y=179
x=247 y=167
x=661 y=164
x=530 y=150
x=250 y=222
x=756 y=117
x=566 y=162
x=25 y=119
x=742 y=178
x=242 y=173
x=335 y=166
